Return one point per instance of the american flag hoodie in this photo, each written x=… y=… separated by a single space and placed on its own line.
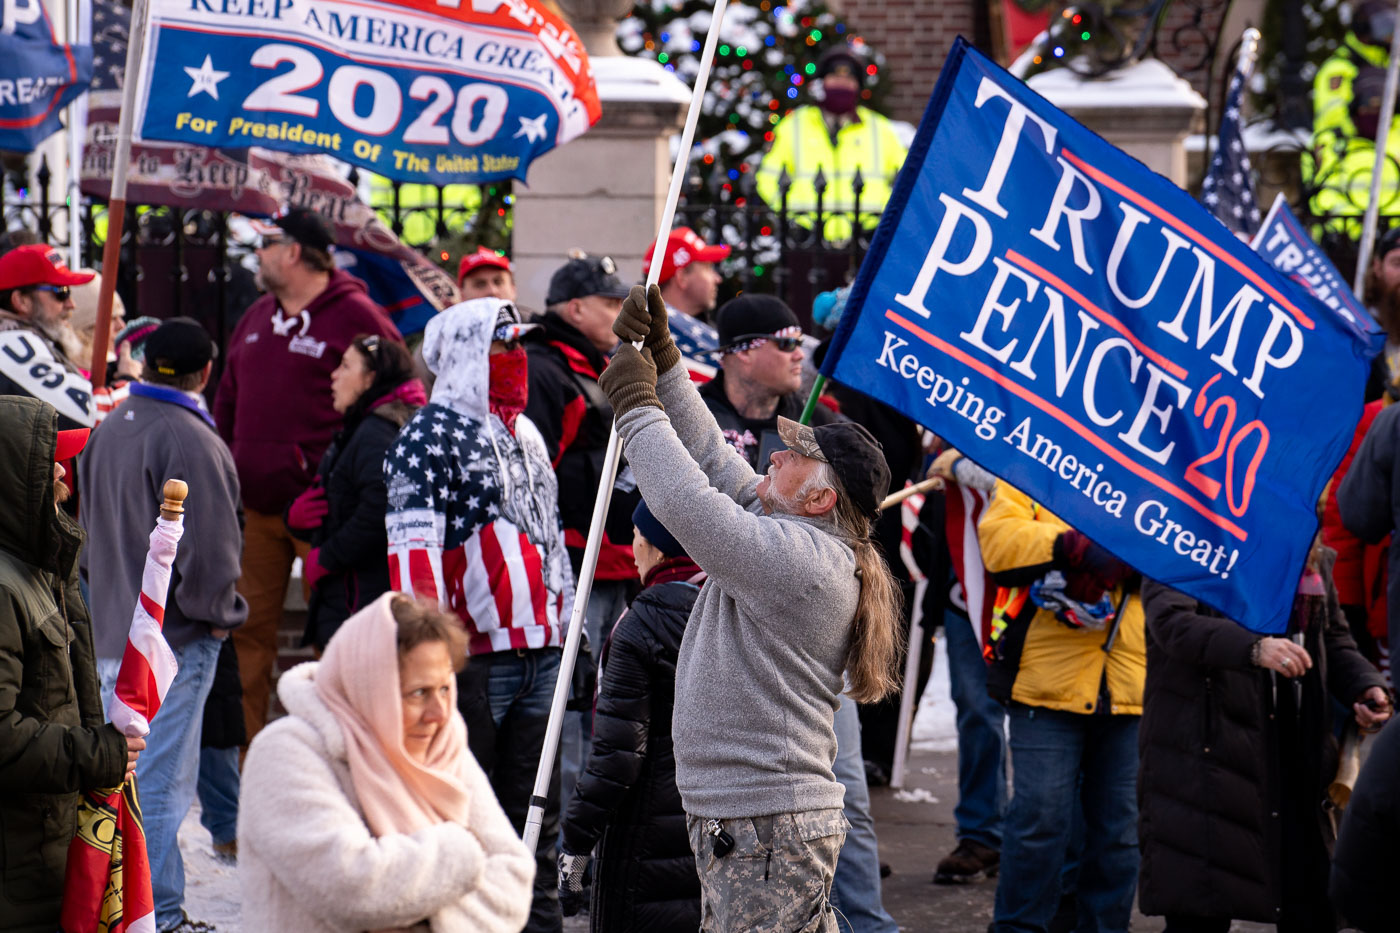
x=473 y=515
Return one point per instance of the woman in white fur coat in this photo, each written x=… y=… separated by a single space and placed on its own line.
x=362 y=809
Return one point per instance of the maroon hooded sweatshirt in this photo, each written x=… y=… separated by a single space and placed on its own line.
x=273 y=407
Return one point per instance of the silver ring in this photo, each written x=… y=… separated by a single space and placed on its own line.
x=1287 y=662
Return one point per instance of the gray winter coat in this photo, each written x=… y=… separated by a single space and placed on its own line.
x=759 y=676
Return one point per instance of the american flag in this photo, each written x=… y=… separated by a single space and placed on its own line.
x=111 y=25
x=1228 y=189
x=450 y=484
x=107 y=885
x=697 y=342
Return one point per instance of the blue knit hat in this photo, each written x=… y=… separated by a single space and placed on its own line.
x=655 y=532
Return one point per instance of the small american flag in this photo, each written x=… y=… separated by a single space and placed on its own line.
x=1228 y=189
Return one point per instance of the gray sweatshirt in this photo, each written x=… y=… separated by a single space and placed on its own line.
x=759 y=676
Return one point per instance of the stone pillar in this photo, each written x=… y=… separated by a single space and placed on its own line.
x=603 y=192
x=1143 y=109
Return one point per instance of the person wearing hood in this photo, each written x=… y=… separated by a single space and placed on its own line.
x=364 y=807
x=836 y=137
x=342 y=514
x=53 y=741
x=273 y=411
x=626 y=802
x=473 y=524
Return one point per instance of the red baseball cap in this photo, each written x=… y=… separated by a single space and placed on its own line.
x=482 y=257
x=683 y=247
x=69 y=443
x=37 y=264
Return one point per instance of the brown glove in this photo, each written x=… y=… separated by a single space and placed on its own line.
x=643 y=317
x=629 y=381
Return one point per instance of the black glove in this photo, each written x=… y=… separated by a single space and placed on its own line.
x=573 y=883
x=629 y=381
x=643 y=317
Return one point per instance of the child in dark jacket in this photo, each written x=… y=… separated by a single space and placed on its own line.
x=342 y=514
x=626 y=802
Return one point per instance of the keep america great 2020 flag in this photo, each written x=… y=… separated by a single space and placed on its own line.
x=1084 y=329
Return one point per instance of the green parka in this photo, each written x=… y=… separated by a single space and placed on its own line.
x=53 y=742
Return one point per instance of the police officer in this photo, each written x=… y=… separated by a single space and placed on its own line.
x=836 y=136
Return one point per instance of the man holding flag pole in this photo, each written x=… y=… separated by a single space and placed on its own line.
x=797 y=594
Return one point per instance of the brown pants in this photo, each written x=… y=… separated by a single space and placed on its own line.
x=268 y=552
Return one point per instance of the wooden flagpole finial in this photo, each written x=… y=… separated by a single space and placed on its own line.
x=174 y=491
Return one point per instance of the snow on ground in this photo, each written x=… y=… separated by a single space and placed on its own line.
x=935 y=721
x=211 y=884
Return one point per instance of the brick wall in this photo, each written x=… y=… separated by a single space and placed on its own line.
x=914 y=36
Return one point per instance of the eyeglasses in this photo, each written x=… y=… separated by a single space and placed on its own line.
x=59 y=292
x=267 y=241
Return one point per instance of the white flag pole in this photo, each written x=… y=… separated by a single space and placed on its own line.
x=1373 y=203
x=531 y=836
x=79 y=32
x=116 y=203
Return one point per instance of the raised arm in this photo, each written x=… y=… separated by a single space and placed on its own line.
x=644 y=317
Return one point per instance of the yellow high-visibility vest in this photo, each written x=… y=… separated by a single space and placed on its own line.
x=802 y=145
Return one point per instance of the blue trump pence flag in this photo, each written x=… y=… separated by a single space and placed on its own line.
x=1086 y=330
x=1286 y=245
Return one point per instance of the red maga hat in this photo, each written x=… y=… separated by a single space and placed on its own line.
x=683 y=247
x=482 y=257
x=69 y=443
x=37 y=264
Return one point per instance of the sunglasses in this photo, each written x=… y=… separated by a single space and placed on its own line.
x=60 y=292
x=264 y=242
x=749 y=341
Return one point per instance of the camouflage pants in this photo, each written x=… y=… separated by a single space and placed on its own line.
x=778 y=877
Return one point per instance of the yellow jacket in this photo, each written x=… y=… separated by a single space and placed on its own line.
x=1060 y=667
x=802 y=144
x=1344 y=160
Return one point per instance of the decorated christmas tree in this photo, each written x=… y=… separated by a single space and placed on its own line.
x=768 y=52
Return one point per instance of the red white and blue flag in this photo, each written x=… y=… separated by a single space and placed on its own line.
x=416 y=90
x=107 y=887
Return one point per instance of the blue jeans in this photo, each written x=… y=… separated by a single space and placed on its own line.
x=855 y=888
x=606 y=603
x=981 y=737
x=1055 y=755
x=168 y=769
x=505 y=699
x=218 y=793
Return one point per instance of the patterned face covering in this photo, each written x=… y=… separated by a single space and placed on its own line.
x=509 y=386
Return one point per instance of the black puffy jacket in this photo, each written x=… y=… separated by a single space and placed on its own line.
x=354 y=545
x=1210 y=782
x=626 y=800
